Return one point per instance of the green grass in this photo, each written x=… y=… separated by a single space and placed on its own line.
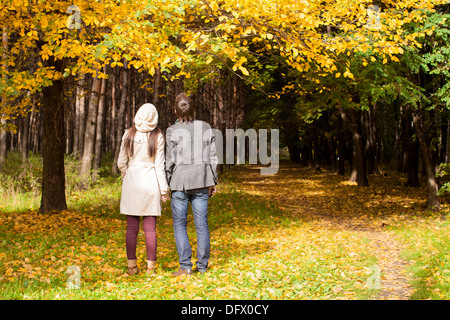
x=428 y=239
x=258 y=252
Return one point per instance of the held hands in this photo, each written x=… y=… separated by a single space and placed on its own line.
x=164 y=197
x=212 y=191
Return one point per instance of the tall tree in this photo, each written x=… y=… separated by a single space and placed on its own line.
x=353 y=119
x=100 y=127
x=80 y=118
x=433 y=186
x=53 y=177
x=124 y=80
x=3 y=97
x=91 y=125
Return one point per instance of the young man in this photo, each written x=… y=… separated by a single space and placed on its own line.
x=191 y=170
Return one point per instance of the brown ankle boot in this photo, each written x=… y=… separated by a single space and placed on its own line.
x=151 y=267
x=132 y=267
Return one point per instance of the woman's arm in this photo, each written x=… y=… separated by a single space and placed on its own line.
x=122 y=160
x=160 y=165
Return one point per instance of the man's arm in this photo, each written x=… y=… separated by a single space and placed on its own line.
x=170 y=161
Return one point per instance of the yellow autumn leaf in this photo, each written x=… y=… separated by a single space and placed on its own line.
x=244 y=70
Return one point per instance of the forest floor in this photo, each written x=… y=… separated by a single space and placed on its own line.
x=299 y=234
x=332 y=203
x=375 y=213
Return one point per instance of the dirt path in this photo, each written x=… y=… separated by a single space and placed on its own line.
x=394 y=278
x=391 y=268
x=330 y=201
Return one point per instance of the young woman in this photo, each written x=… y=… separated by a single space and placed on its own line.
x=141 y=162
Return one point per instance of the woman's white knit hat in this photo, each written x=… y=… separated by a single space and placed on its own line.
x=146 y=118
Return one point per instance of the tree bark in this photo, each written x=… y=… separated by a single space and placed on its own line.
x=444 y=138
x=411 y=153
x=341 y=148
x=113 y=122
x=33 y=132
x=121 y=114
x=91 y=124
x=157 y=86
x=354 y=123
x=3 y=121
x=220 y=108
x=80 y=102
x=70 y=125
x=398 y=144
x=433 y=186
x=23 y=141
x=99 y=131
x=315 y=147
x=403 y=159
x=53 y=176
x=370 y=148
x=358 y=143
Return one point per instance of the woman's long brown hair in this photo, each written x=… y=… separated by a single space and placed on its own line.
x=152 y=138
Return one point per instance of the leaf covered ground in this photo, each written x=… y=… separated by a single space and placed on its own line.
x=296 y=235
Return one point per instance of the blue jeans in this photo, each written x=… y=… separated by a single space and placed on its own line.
x=199 y=202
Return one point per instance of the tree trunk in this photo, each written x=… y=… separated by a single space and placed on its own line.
x=234 y=103
x=157 y=86
x=220 y=108
x=399 y=133
x=358 y=143
x=91 y=124
x=99 y=132
x=113 y=122
x=69 y=125
x=23 y=141
x=405 y=126
x=3 y=121
x=229 y=102
x=53 y=176
x=370 y=148
x=444 y=138
x=411 y=153
x=3 y=139
x=354 y=123
x=80 y=123
x=413 y=165
x=33 y=132
x=433 y=187
x=315 y=148
x=341 y=148
x=121 y=114
x=353 y=171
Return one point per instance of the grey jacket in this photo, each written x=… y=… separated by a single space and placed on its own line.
x=191 y=160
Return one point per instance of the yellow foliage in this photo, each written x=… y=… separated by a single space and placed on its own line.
x=174 y=35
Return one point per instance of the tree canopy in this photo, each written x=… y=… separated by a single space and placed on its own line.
x=358 y=46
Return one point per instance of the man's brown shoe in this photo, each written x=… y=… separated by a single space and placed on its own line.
x=181 y=271
x=196 y=270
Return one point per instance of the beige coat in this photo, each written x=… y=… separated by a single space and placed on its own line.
x=144 y=178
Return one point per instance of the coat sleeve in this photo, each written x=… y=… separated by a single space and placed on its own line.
x=160 y=165
x=170 y=161
x=122 y=160
x=213 y=160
